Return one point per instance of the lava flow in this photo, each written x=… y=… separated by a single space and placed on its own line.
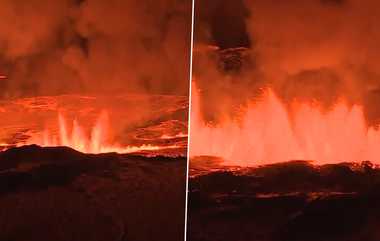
x=268 y=133
x=97 y=124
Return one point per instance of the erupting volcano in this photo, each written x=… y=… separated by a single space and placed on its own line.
x=268 y=131
x=94 y=100
x=284 y=133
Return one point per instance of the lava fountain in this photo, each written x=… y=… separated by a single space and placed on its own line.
x=270 y=132
x=98 y=140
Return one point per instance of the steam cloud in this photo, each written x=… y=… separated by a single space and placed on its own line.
x=313 y=49
x=66 y=46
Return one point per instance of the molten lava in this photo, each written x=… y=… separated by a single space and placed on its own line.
x=147 y=124
x=97 y=141
x=269 y=132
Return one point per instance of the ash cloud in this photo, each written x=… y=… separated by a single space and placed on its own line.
x=313 y=49
x=94 y=46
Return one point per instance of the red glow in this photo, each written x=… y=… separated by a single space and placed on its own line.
x=97 y=140
x=269 y=133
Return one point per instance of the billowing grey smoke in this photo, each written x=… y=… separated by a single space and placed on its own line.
x=91 y=46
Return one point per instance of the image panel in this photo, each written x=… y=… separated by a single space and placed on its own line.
x=284 y=134
x=94 y=100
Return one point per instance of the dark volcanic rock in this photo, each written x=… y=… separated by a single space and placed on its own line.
x=60 y=194
x=292 y=201
x=33 y=167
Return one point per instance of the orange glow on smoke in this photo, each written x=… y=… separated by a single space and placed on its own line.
x=96 y=141
x=269 y=133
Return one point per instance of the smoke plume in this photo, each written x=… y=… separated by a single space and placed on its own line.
x=313 y=49
x=93 y=46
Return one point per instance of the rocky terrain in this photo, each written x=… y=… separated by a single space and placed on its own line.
x=57 y=193
x=294 y=201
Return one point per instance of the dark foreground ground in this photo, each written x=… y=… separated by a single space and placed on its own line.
x=58 y=194
x=293 y=201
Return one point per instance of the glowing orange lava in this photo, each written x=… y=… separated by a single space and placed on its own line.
x=97 y=141
x=179 y=135
x=269 y=133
